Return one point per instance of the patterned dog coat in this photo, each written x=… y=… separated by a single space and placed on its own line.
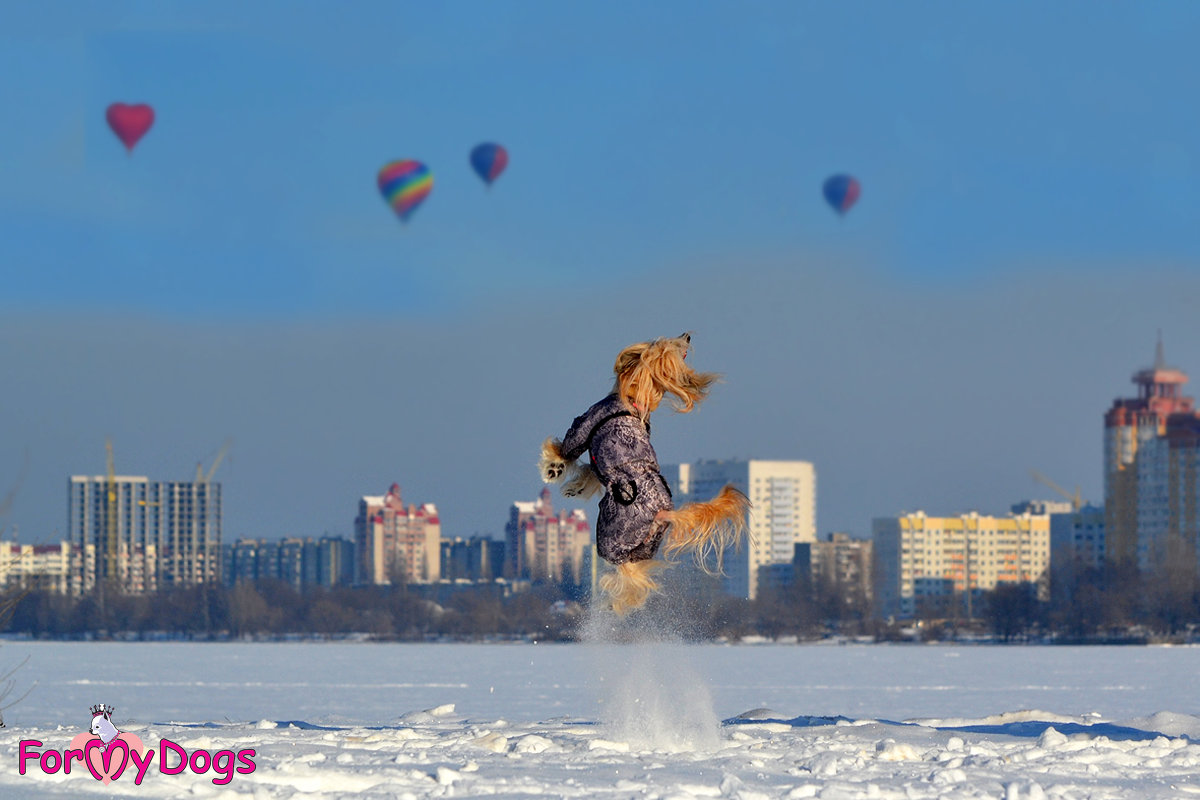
x=634 y=489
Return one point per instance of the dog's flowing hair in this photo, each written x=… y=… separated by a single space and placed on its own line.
x=645 y=373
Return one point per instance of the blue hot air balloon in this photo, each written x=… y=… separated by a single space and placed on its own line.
x=841 y=192
x=489 y=160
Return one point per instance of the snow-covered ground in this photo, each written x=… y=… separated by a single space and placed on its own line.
x=652 y=719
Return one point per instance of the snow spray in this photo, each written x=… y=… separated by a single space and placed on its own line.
x=650 y=692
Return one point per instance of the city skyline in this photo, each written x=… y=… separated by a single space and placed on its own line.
x=496 y=529
x=499 y=533
x=1030 y=193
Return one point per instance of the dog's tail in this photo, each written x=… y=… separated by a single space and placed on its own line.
x=630 y=584
x=709 y=528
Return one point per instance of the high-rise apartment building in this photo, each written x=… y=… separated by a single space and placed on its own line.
x=397 y=543
x=298 y=562
x=189 y=543
x=839 y=563
x=335 y=561
x=37 y=567
x=783 y=495
x=241 y=562
x=1151 y=488
x=479 y=558
x=147 y=534
x=1077 y=538
x=922 y=559
x=328 y=561
x=543 y=545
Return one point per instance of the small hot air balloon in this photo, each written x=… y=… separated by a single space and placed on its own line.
x=841 y=192
x=130 y=123
x=489 y=160
x=405 y=185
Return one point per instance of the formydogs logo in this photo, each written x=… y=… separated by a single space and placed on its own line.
x=106 y=753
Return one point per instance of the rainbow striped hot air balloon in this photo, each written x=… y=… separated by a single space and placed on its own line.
x=405 y=185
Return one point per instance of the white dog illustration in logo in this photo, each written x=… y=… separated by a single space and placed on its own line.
x=102 y=724
x=101 y=746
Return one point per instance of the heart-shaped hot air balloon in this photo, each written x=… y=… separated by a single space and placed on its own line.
x=130 y=122
x=405 y=185
x=841 y=192
x=489 y=160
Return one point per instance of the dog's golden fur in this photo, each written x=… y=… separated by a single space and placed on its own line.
x=708 y=529
x=645 y=373
x=629 y=585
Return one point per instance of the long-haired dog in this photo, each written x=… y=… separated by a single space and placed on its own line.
x=637 y=514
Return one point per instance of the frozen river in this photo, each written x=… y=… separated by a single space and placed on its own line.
x=649 y=720
x=374 y=683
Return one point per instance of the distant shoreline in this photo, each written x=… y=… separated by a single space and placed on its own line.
x=749 y=641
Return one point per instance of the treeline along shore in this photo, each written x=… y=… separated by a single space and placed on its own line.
x=1088 y=606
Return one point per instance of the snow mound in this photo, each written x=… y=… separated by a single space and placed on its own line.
x=1169 y=724
x=1006 y=718
x=437 y=714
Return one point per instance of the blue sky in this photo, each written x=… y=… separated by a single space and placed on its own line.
x=639 y=134
x=1004 y=152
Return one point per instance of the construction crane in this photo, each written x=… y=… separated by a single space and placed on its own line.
x=1075 y=498
x=210 y=568
x=201 y=475
x=110 y=516
x=7 y=503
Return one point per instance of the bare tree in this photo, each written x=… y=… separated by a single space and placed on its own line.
x=8 y=684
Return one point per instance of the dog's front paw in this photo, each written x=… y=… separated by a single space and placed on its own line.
x=551 y=463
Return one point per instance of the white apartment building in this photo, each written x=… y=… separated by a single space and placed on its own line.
x=41 y=567
x=783 y=495
x=920 y=557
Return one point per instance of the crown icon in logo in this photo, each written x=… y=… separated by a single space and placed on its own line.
x=103 y=710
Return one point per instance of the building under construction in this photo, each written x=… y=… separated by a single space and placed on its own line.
x=140 y=535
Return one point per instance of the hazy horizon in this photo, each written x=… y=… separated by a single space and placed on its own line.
x=1030 y=197
x=896 y=414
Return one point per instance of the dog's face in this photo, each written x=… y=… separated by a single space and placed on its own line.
x=686 y=337
x=104 y=729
